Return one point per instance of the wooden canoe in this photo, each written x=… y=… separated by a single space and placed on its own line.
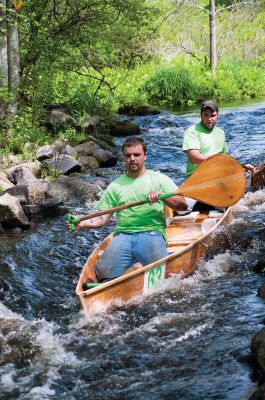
x=188 y=239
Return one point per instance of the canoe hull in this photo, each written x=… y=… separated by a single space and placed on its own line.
x=186 y=247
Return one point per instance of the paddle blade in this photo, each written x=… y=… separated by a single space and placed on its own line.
x=219 y=181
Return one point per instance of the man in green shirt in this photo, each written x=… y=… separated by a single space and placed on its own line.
x=140 y=231
x=204 y=139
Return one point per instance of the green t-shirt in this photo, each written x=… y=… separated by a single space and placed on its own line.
x=208 y=142
x=141 y=218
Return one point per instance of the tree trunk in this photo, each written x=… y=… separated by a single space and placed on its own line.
x=213 y=54
x=3 y=57
x=3 y=46
x=12 y=56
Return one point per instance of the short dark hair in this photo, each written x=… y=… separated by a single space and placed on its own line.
x=209 y=104
x=134 y=141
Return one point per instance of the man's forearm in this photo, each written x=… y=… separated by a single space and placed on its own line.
x=93 y=223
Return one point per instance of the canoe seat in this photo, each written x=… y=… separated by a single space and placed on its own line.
x=208 y=224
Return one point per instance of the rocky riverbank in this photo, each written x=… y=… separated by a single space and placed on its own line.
x=46 y=185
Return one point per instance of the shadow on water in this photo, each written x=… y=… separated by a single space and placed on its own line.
x=190 y=340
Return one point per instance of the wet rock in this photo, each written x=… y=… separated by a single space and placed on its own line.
x=36 y=187
x=60 y=120
x=20 y=192
x=64 y=164
x=138 y=110
x=124 y=128
x=258 y=178
x=51 y=207
x=33 y=167
x=106 y=158
x=259 y=267
x=4 y=288
x=259 y=394
x=86 y=148
x=45 y=152
x=261 y=291
x=57 y=148
x=90 y=124
x=18 y=344
x=88 y=163
x=258 y=348
x=11 y=213
x=4 y=181
x=73 y=190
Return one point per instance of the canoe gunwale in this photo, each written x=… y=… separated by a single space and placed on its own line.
x=139 y=271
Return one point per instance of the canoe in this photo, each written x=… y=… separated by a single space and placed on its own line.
x=188 y=238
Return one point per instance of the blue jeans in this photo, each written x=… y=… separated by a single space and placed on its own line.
x=125 y=249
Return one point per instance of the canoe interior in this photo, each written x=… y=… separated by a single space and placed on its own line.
x=188 y=238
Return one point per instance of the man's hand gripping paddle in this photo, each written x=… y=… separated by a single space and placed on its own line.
x=220 y=181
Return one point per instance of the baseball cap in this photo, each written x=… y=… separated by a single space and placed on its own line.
x=209 y=104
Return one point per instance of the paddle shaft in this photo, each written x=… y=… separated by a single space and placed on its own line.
x=218 y=181
x=128 y=205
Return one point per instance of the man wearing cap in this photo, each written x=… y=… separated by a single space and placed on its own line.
x=204 y=139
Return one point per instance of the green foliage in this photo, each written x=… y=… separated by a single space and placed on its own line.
x=85 y=38
x=234 y=80
x=92 y=57
x=171 y=84
x=47 y=170
x=72 y=136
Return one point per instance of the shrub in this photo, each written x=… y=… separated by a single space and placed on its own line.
x=172 y=84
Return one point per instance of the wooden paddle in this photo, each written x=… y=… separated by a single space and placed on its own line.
x=219 y=181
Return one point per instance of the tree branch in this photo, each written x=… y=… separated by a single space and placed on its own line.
x=235 y=5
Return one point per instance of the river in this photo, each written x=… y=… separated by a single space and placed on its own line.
x=189 y=341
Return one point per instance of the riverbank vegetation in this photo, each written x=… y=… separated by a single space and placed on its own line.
x=91 y=58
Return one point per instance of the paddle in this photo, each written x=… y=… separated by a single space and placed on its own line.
x=219 y=181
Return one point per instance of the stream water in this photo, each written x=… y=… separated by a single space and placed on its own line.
x=189 y=341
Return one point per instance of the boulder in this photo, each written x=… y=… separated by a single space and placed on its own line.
x=138 y=110
x=87 y=148
x=124 y=128
x=45 y=152
x=64 y=164
x=73 y=190
x=11 y=213
x=258 y=348
x=5 y=182
x=90 y=124
x=57 y=148
x=259 y=267
x=36 y=187
x=60 y=120
x=51 y=207
x=88 y=163
x=33 y=167
x=20 y=192
x=106 y=158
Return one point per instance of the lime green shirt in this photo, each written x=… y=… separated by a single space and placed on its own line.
x=208 y=142
x=141 y=218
